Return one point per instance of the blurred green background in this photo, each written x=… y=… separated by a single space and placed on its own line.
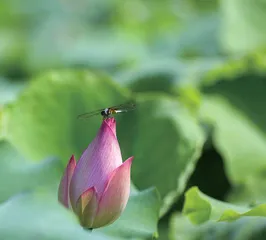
x=197 y=71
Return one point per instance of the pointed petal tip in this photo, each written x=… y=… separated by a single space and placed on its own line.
x=85 y=198
x=110 y=120
x=115 y=197
x=111 y=123
x=72 y=161
x=129 y=160
x=127 y=163
x=63 y=190
x=86 y=207
x=88 y=191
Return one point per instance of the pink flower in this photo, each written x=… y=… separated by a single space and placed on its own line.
x=97 y=187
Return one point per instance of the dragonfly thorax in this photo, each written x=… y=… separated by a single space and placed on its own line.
x=106 y=112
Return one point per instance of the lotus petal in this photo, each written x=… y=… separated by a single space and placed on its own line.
x=115 y=196
x=63 y=191
x=101 y=157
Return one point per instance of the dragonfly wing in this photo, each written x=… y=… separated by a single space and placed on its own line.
x=89 y=114
x=124 y=107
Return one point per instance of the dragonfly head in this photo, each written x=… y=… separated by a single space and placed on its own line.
x=105 y=113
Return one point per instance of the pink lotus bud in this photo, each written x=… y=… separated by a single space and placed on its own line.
x=97 y=187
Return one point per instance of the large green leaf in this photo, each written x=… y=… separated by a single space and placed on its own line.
x=239 y=140
x=166 y=141
x=17 y=174
x=243 y=19
x=233 y=101
x=43 y=121
x=180 y=228
x=252 y=192
x=200 y=208
x=245 y=228
x=213 y=219
x=38 y=214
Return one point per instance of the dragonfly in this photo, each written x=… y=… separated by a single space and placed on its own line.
x=108 y=112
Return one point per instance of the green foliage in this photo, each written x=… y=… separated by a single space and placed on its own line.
x=200 y=208
x=74 y=93
x=172 y=143
x=216 y=220
x=39 y=214
x=45 y=116
x=196 y=100
x=17 y=174
x=245 y=228
x=248 y=17
x=233 y=103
